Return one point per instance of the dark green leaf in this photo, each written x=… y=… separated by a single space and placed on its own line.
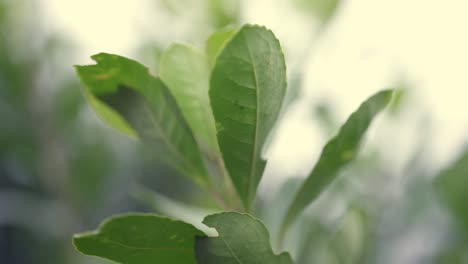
x=451 y=185
x=242 y=240
x=247 y=87
x=144 y=104
x=141 y=239
x=336 y=154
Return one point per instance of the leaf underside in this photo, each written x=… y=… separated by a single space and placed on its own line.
x=141 y=239
x=126 y=88
x=242 y=240
x=336 y=154
x=247 y=87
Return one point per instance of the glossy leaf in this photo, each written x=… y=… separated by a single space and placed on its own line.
x=247 y=87
x=125 y=89
x=451 y=185
x=141 y=239
x=217 y=41
x=186 y=72
x=241 y=239
x=336 y=154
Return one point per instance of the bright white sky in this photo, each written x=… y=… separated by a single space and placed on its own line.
x=368 y=46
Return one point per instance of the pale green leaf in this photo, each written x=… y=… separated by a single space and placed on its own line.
x=186 y=72
x=242 y=239
x=337 y=153
x=141 y=239
x=217 y=41
x=247 y=87
x=145 y=103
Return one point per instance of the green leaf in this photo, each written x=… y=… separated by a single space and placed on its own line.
x=451 y=186
x=186 y=72
x=336 y=154
x=247 y=87
x=217 y=41
x=141 y=239
x=110 y=116
x=348 y=244
x=241 y=239
x=125 y=89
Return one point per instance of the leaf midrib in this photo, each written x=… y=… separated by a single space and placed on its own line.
x=183 y=249
x=165 y=139
x=230 y=250
x=254 y=153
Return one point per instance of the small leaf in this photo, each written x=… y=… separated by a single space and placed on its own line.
x=217 y=41
x=186 y=72
x=141 y=239
x=336 y=154
x=124 y=90
x=242 y=240
x=451 y=185
x=247 y=87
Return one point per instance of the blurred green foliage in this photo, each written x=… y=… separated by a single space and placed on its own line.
x=61 y=170
x=451 y=184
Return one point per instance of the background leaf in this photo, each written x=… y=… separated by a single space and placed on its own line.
x=141 y=239
x=147 y=105
x=451 y=185
x=242 y=240
x=166 y=206
x=247 y=87
x=336 y=154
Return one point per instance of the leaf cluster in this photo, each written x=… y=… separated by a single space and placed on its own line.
x=208 y=115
